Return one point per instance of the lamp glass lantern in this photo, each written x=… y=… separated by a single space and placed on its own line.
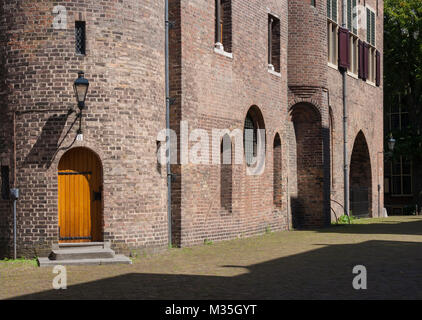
x=80 y=87
x=391 y=143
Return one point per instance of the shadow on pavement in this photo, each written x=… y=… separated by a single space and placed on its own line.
x=412 y=227
x=394 y=272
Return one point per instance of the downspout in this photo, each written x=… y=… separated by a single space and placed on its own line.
x=345 y=155
x=168 y=142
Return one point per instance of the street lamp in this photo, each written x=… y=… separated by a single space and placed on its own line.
x=80 y=87
x=391 y=143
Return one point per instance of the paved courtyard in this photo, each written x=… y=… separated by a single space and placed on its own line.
x=288 y=265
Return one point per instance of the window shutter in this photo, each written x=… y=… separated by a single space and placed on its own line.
x=360 y=59
x=373 y=28
x=334 y=9
x=378 y=71
x=329 y=8
x=355 y=18
x=368 y=25
x=343 y=48
x=365 y=61
x=349 y=15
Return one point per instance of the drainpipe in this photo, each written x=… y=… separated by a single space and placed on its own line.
x=168 y=142
x=14 y=192
x=346 y=165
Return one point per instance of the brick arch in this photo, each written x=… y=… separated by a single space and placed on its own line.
x=360 y=177
x=307 y=201
x=78 y=144
x=256 y=114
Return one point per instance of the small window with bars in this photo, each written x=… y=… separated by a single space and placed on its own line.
x=80 y=37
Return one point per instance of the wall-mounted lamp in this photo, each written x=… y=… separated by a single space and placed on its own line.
x=80 y=87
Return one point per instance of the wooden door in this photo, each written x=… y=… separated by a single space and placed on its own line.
x=80 y=196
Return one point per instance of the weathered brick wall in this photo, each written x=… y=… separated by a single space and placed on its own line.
x=365 y=114
x=312 y=81
x=125 y=111
x=308 y=125
x=216 y=92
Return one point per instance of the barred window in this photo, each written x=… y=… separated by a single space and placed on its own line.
x=250 y=140
x=80 y=37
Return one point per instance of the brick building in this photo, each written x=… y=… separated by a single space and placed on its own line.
x=234 y=65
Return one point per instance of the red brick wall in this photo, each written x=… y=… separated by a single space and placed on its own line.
x=216 y=92
x=125 y=111
x=365 y=113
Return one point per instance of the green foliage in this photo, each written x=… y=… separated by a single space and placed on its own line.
x=268 y=230
x=32 y=262
x=403 y=70
x=345 y=219
x=208 y=242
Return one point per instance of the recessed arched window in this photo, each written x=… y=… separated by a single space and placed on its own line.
x=277 y=169
x=226 y=174
x=254 y=136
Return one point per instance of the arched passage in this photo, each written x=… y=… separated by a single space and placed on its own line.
x=360 y=178
x=307 y=200
x=80 y=196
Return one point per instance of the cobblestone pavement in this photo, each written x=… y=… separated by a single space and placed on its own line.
x=287 y=265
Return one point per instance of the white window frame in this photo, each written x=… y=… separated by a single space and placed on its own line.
x=354 y=55
x=372 y=65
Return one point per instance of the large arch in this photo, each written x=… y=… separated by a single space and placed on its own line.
x=360 y=178
x=80 y=189
x=307 y=199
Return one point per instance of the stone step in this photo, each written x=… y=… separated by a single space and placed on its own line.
x=97 y=245
x=78 y=253
x=117 y=259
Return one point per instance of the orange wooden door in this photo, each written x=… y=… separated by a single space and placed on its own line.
x=80 y=196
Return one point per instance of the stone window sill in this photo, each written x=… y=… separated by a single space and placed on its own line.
x=220 y=50
x=370 y=83
x=332 y=65
x=273 y=72
x=353 y=75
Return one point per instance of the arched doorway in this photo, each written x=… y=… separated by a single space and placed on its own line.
x=80 y=196
x=360 y=178
x=306 y=167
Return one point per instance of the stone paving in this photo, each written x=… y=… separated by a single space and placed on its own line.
x=314 y=264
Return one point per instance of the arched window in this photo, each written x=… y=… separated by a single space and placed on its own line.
x=277 y=177
x=250 y=140
x=254 y=137
x=226 y=174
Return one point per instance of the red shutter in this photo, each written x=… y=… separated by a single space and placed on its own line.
x=378 y=72
x=343 y=48
x=365 y=61
x=360 y=59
